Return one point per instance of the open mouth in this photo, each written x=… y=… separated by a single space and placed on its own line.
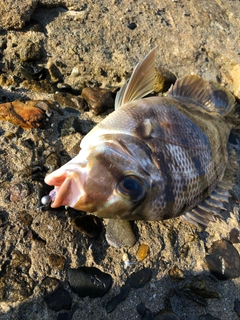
x=68 y=185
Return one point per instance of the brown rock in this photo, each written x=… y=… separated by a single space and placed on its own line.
x=26 y=115
x=99 y=100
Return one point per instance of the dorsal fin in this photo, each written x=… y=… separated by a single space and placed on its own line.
x=210 y=95
x=141 y=82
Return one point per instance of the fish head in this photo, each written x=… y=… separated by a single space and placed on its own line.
x=110 y=178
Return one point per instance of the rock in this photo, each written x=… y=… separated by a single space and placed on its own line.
x=56 y=261
x=15 y=283
x=48 y=285
x=58 y=300
x=204 y=287
x=52 y=162
x=142 y=252
x=234 y=235
x=89 y=281
x=165 y=78
x=176 y=274
x=208 y=317
x=237 y=307
x=30 y=51
x=165 y=314
x=119 y=233
x=144 y=312
x=136 y=280
x=19 y=191
x=26 y=115
x=54 y=72
x=98 y=100
x=223 y=260
x=132 y=25
x=89 y=225
x=31 y=71
x=70 y=101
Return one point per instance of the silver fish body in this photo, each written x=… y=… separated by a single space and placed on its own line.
x=153 y=158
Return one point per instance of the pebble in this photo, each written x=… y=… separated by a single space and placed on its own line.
x=70 y=101
x=30 y=51
x=26 y=115
x=136 y=280
x=237 y=307
x=142 y=252
x=58 y=300
x=31 y=71
x=234 y=235
x=165 y=314
x=132 y=25
x=52 y=162
x=119 y=233
x=89 y=281
x=164 y=79
x=54 y=72
x=19 y=191
x=208 y=317
x=223 y=260
x=15 y=283
x=56 y=261
x=99 y=100
x=176 y=274
x=88 y=225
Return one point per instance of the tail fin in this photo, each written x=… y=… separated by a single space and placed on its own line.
x=211 y=96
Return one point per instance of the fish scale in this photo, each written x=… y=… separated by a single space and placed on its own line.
x=154 y=158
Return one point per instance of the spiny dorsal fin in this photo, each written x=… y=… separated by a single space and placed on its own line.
x=141 y=83
x=210 y=95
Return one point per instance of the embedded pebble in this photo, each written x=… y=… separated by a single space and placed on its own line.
x=164 y=79
x=208 y=317
x=89 y=225
x=89 y=281
x=136 y=280
x=19 y=191
x=99 y=100
x=142 y=252
x=176 y=274
x=237 y=307
x=56 y=261
x=165 y=314
x=31 y=71
x=234 y=235
x=119 y=233
x=54 y=72
x=58 y=300
x=30 y=51
x=70 y=101
x=223 y=260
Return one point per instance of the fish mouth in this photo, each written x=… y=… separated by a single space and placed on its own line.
x=68 y=186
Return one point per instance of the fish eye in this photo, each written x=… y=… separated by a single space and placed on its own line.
x=132 y=187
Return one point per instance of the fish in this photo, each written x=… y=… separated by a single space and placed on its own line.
x=154 y=157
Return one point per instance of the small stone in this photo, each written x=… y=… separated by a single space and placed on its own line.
x=26 y=115
x=31 y=71
x=54 y=72
x=19 y=191
x=56 y=261
x=99 y=100
x=136 y=280
x=26 y=219
x=237 y=307
x=165 y=314
x=49 y=285
x=52 y=162
x=30 y=51
x=89 y=281
x=119 y=233
x=140 y=278
x=132 y=25
x=164 y=79
x=41 y=86
x=58 y=300
x=176 y=273
x=142 y=252
x=234 y=235
x=208 y=317
x=68 y=100
x=89 y=225
x=223 y=260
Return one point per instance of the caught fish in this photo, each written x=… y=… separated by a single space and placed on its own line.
x=153 y=158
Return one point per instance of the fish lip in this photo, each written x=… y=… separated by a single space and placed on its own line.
x=68 y=185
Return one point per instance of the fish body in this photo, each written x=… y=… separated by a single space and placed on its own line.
x=153 y=158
